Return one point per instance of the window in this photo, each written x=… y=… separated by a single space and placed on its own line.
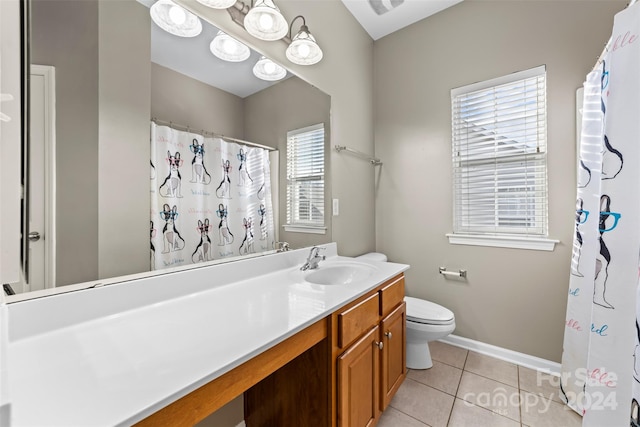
x=305 y=180
x=499 y=154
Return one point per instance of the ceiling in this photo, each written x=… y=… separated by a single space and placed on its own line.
x=382 y=17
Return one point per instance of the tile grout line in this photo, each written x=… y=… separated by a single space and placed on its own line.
x=432 y=388
x=409 y=415
x=519 y=395
x=500 y=382
x=455 y=396
x=493 y=379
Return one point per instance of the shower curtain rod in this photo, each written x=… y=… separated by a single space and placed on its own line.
x=213 y=134
x=608 y=44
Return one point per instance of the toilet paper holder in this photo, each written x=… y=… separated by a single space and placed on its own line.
x=459 y=273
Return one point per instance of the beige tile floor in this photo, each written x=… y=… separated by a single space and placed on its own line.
x=464 y=388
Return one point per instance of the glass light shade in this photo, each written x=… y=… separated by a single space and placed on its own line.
x=174 y=19
x=265 y=22
x=303 y=49
x=218 y=4
x=266 y=69
x=229 y=49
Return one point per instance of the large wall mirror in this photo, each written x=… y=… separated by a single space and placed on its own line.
x=101 y=71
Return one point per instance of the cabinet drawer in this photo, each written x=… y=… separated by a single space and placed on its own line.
x=352 y=323
x=391 y=295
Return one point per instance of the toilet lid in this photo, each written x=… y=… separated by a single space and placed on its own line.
x=422 y=311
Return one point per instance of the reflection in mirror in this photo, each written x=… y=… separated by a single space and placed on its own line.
x=106 y=70
x=227 y=181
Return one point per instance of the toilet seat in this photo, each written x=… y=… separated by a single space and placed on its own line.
x=427 y=312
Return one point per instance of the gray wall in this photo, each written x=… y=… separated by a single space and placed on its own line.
x=298 y=105
x=513 y=298
x=189 y=102
x=74 y=53
x=124 y=150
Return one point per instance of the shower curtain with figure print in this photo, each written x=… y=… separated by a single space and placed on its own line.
x=210 y=199
x=601 y=361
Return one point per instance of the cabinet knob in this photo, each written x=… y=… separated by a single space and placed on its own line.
x=388 y=334
x=380 y=344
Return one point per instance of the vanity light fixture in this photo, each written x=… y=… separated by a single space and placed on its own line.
x=265 y=22
x=218 y=4
x=229 y=49
x=174 y=19
x=268 y=70
x=304 y=49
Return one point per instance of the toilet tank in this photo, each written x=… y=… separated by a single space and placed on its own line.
x=373 y=256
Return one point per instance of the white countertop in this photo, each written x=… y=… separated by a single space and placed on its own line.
x=117 y=354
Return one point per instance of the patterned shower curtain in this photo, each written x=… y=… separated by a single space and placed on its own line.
x=210 y=199
x=598 y=376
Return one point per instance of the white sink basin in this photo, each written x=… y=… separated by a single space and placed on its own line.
x=340 y=273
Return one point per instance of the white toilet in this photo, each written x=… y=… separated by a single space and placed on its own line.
x=426 y=321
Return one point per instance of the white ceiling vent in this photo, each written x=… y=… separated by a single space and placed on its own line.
x=382 y=17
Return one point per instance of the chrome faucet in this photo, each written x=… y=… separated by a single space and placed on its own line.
x=313 y=259
x=282 y=246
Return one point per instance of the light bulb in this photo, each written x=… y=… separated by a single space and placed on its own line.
x=177 y=15
x=304 y=50
x=174 y=19
x=229 y=46
x=266 y=21
x=269 y=67
x=268 y=70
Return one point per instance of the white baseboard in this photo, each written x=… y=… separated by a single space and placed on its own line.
x=511 y=356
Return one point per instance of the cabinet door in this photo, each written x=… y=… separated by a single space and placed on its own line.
x=358 y=382
x=394 y=352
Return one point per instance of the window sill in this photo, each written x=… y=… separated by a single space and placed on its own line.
x=305 y=229
x=514 y=242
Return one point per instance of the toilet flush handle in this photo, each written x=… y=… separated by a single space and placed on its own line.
x=388 y=334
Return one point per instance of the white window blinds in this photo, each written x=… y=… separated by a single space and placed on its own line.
x=499 y=155
x=305 y=176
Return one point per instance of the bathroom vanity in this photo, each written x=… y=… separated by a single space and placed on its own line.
x=322 y=347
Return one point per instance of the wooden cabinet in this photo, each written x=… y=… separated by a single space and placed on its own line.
x=369 y=349
x=347 y=379
x=394 y=354
x=358 y=379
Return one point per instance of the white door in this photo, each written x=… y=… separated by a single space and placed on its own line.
x=41 y=237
